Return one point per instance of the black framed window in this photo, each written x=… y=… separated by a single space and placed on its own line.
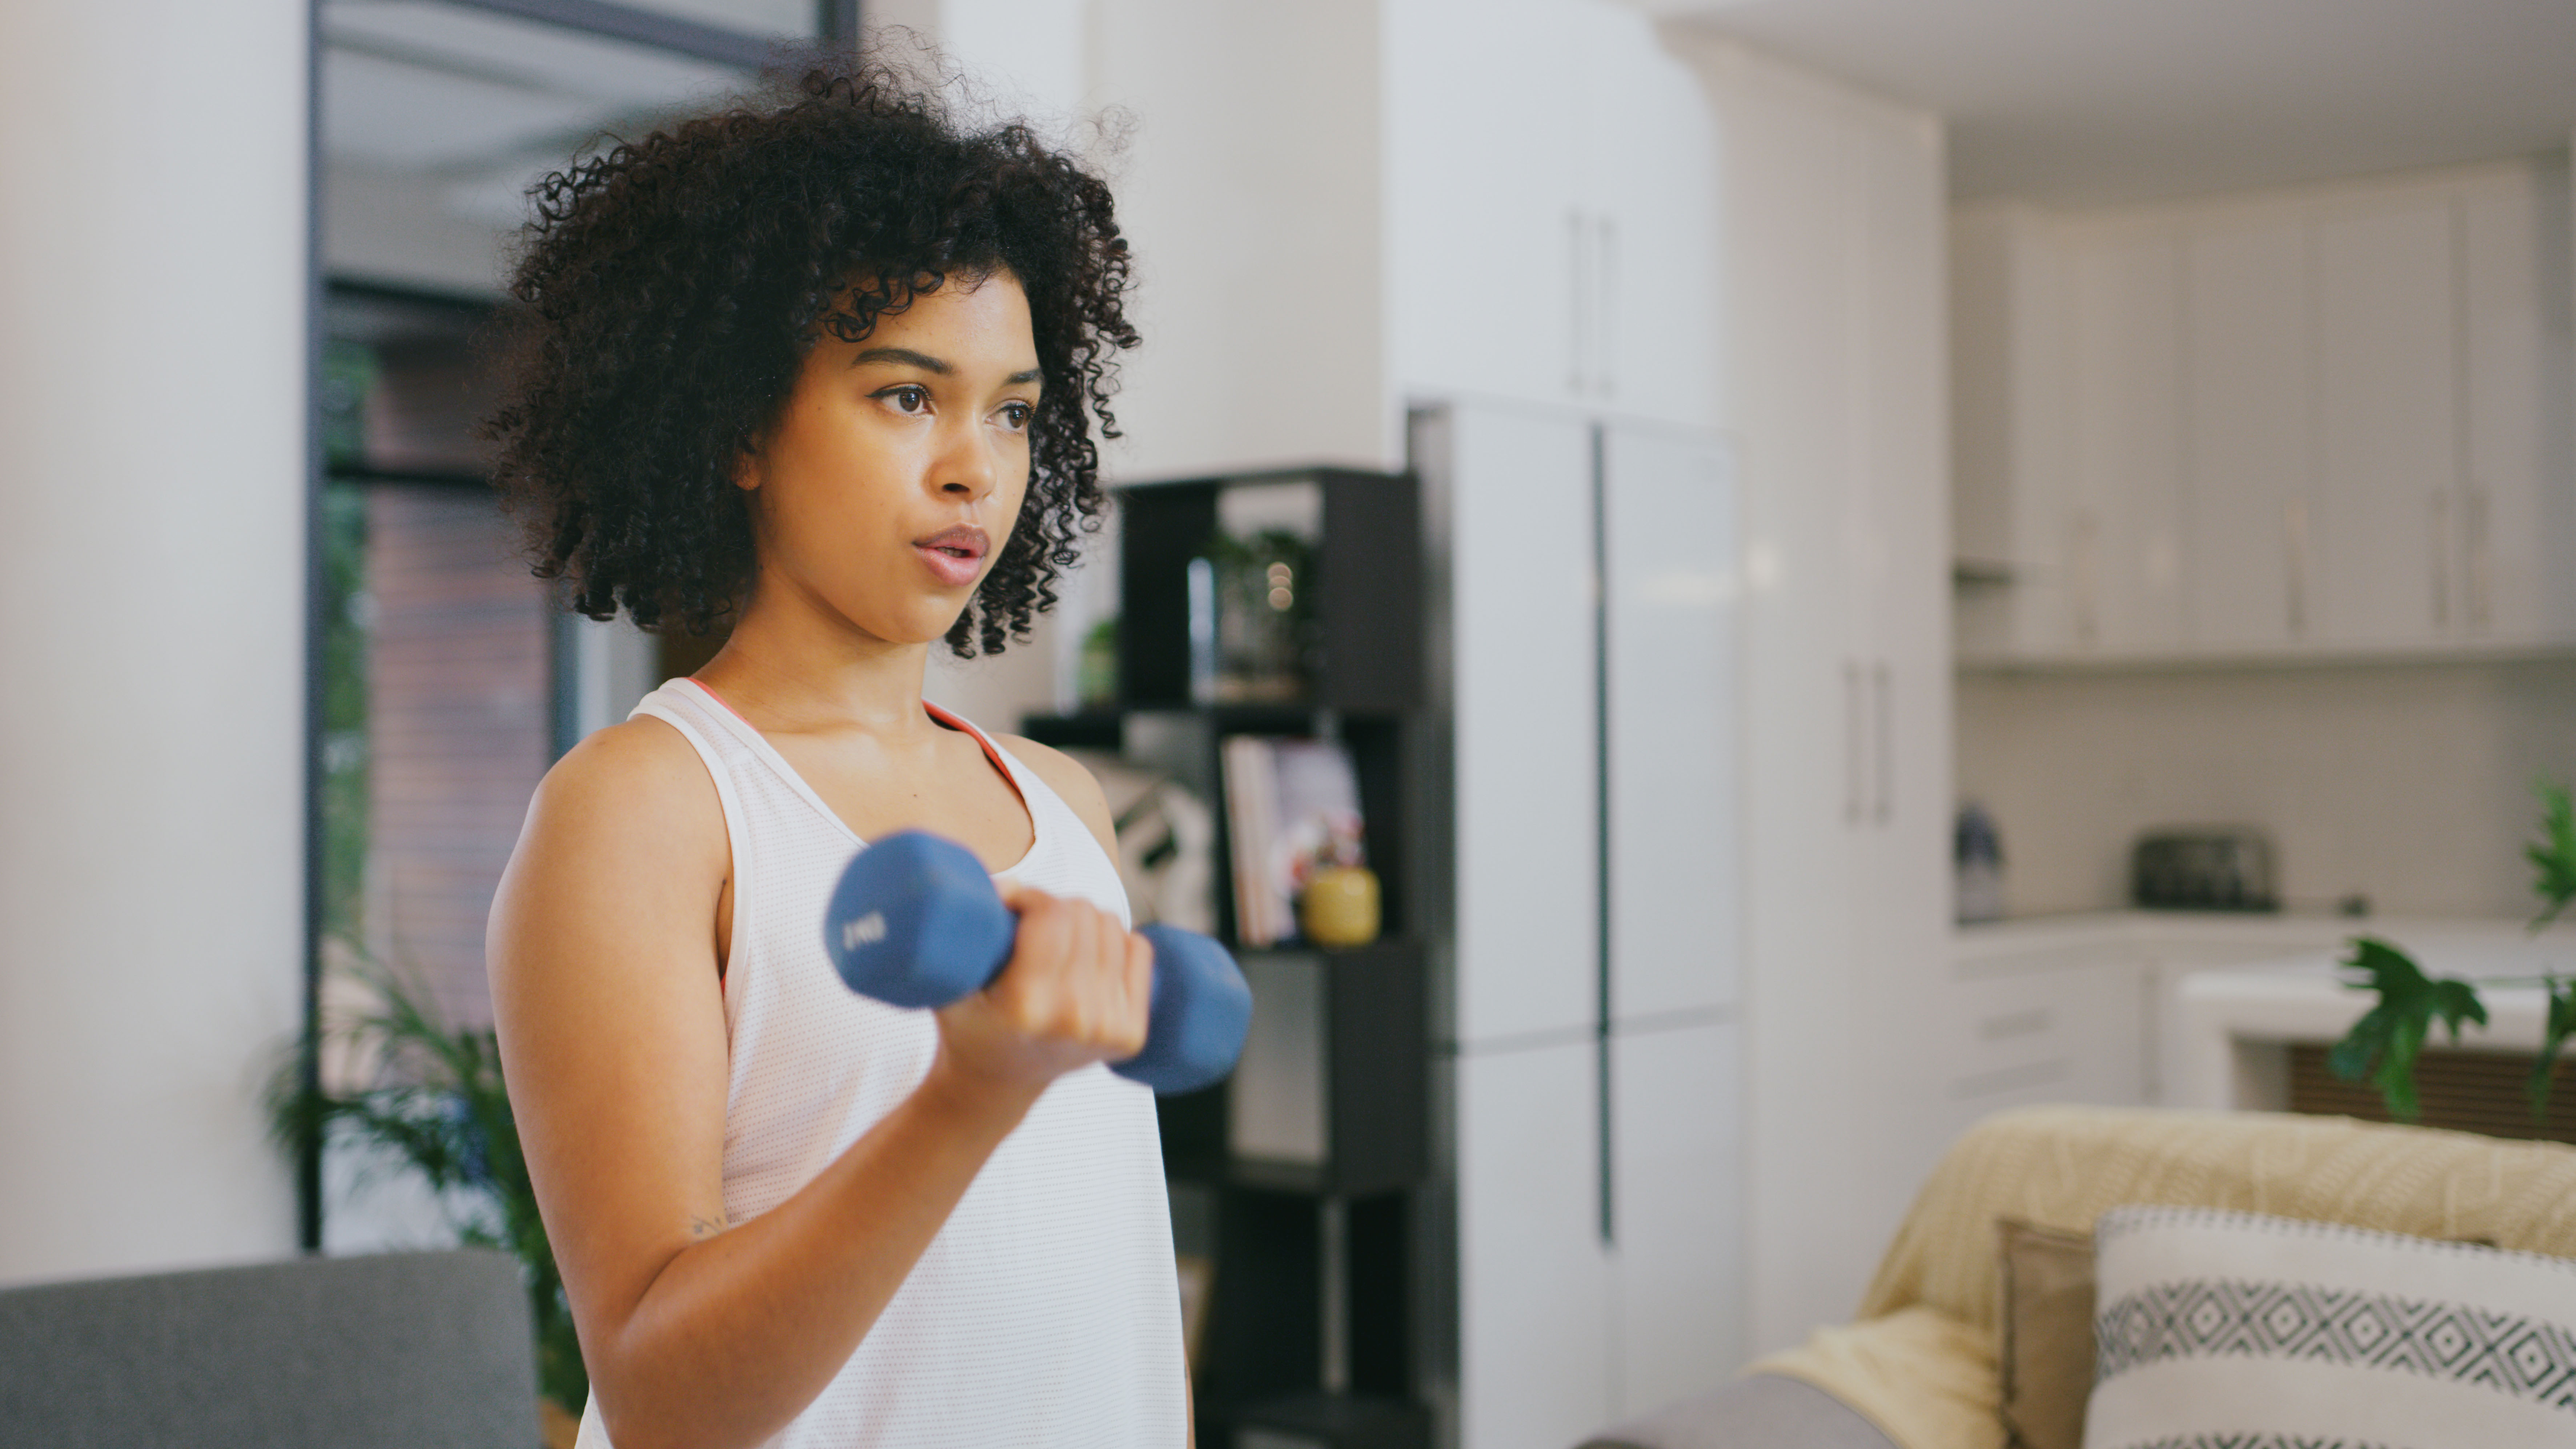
x=442 y=678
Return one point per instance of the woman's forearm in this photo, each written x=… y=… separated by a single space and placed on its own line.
x=737 y=1334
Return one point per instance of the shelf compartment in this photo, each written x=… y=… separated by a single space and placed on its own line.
x=1342 y=1421
x=1332 y=1096
x=1368 y=599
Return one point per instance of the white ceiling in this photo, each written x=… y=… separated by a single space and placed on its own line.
x=2076 y=101
x=475 y=106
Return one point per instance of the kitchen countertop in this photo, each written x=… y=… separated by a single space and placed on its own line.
x=2229 y=1025
x=2267 y=935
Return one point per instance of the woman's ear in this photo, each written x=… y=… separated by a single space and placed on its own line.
x=745 y=473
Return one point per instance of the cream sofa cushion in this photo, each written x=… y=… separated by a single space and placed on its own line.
x=2233 y=1328
x=1925 y=1341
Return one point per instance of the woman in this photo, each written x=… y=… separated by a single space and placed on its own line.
x=826 y=370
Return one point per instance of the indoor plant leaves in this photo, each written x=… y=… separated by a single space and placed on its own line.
x=2553 y=855
x=2561 y=1025
x=2383 y=1045
x=435 y=1099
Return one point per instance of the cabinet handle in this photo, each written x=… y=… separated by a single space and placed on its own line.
x=2481 y=559
x=2438 y=539
x=1578 y=279
x=2085 y=571
x=2294 y=543
x=1854 y=760
x=1885 y=805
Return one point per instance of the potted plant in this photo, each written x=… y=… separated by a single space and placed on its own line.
x=2383 y=1045
x=395 y=1077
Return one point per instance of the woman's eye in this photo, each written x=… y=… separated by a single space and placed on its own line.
x=907 y=399
x=1016 y=416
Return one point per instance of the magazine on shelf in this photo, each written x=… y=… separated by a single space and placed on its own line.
x=1292 y=808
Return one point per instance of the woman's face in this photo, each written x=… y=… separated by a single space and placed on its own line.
x=895 y=471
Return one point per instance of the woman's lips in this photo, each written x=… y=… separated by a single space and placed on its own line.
x=954 y=555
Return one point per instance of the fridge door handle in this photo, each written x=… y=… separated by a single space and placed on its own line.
x=1579 y=264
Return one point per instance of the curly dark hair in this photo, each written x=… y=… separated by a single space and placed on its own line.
x=671 y=288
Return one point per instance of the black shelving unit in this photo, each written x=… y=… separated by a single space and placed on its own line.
x=1315 y=1314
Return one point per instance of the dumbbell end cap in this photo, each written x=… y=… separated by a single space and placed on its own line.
x=914 y=922
x=1201 y=1013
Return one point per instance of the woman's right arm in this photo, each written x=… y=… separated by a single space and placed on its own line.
x=603 y=958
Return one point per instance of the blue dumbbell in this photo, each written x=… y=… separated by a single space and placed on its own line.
x=915 y=922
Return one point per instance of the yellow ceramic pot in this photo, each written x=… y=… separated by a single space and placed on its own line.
x=1340 y=907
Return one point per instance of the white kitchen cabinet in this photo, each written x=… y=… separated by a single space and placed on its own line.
x=2123 y=530
x=1544 y=253
x=2250 y=465
x=2516 y=513
x=1480 y=187
x=1646 y=264
x=2387 y=435
x=2069 y=442
x=2321 y=422
x=1834 y=294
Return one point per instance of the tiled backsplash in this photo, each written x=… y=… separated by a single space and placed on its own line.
x=2407 y=783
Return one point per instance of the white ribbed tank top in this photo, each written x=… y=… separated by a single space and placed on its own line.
x=1047 y=1311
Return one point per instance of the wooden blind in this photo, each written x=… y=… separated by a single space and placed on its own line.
x=2462 y=1091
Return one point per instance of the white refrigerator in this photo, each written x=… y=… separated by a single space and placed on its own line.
x=1589 y=634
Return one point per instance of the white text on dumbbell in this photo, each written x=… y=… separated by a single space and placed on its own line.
x=867 y=930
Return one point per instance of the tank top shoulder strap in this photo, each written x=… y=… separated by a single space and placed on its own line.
x=1055 y=820
x=1010 y=769
x=1066 y=855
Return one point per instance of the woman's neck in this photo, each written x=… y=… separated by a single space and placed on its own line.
x=795 y=671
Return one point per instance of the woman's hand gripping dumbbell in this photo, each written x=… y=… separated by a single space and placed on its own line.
x=915 y=921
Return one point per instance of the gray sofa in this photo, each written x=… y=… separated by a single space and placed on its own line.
x=402 y=1350
x=1759 y=1411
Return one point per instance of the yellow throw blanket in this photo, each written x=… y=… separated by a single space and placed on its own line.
x=1920 y=1363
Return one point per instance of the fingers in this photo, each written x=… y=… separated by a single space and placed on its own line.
x=1078 y=988
x=1140 y=980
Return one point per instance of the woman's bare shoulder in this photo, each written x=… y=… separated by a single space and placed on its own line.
x=642 y=754
x=635 y=794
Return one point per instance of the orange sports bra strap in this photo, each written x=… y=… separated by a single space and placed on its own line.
x=942 y=716
x=990 y=752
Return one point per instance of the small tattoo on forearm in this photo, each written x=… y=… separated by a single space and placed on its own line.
x=703 y=1228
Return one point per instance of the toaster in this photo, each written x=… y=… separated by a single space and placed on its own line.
x=2220 y=868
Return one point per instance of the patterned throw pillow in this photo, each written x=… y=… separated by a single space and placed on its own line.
x=2220 y=1330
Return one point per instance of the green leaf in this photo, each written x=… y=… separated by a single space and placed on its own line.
x=2351 y=1058
x=2455 y=1001
x=438 y=1103
x=2554 y=1034
x=2553 y=855
x=2383 y=1045
x=2395 y=1078
x=2393 y=973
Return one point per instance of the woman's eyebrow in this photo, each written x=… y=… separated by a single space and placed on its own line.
x=905 y=356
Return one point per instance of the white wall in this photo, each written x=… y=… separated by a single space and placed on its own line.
x=152 y=312
x=2408 y=783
